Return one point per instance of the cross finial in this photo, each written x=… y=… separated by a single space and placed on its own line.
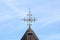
x=29 y=19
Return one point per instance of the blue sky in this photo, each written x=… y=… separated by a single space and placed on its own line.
x=46 y=11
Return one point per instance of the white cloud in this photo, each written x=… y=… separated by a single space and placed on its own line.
x=51 y=19
x=48 y=20
x=53 y=37
x=5 y=17
x=12 y=5
x=19 y=12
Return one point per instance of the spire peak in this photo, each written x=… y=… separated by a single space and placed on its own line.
x=29 y=10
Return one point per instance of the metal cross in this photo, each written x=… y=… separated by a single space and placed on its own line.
x=29 y=19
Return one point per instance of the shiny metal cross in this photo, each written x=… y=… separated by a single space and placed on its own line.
x=29 y=19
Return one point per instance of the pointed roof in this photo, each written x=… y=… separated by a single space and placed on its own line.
x=29 y=31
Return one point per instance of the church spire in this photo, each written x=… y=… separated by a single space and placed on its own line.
x=29 y=34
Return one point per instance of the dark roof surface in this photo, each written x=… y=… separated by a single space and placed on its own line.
x=29 y=31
